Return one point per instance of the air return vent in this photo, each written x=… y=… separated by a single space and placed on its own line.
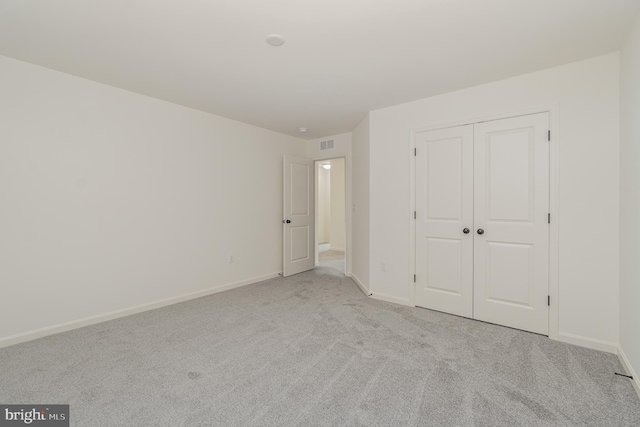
x=326 y=145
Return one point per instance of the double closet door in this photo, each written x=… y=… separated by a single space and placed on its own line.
x=482 y=231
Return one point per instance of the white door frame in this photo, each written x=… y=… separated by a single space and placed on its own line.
x=347 y=211
x=554 y=228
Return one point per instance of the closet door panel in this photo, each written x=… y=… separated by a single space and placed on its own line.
x=444 y=206
x=511 y=240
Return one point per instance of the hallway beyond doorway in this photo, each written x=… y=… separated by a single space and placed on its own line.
x=332 y=259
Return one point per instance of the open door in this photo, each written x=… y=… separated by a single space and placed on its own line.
x=299 y=210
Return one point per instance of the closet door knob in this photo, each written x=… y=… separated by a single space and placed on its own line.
x=480 y=231
x=465 y=231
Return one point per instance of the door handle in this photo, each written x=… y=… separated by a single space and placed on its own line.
x=480 y=231
x=465 y=231
x=288 y=221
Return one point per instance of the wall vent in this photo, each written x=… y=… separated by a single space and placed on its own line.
x=326 y=145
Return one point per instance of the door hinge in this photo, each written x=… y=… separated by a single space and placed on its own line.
x=548 y=218
x=414 y=278
x=415 y=151
x=415 y=215
x=548 y=135
x=548 y=299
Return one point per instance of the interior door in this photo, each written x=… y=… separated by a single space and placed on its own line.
x=299 y=211
x=444 y=220
x=511 y=249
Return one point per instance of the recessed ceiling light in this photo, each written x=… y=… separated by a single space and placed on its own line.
x=275 y=39
x=303 y=130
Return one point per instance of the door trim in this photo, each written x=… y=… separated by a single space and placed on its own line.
x=553 y=110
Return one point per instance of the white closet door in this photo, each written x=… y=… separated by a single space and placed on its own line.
x=511 y=249
x=444 y=204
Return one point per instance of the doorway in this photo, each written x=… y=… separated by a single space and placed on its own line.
x=330 y=230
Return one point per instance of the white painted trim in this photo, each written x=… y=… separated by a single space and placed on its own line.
x=412 y=228
x=487 y=118
x=595 y=344
x=554 y=231
x=392 y=299
x=629 y=370
x=362 y=287
x=75 y=324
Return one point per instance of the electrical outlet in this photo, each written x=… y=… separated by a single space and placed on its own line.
x=383 y=266
x=232 y=258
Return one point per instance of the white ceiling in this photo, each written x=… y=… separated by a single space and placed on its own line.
x=341 y=58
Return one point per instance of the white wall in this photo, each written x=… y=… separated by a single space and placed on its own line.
x=587 y=94
x=337 y=232
x=630 y=201
x=360 y=206
x=324 y=205
x=111 y=199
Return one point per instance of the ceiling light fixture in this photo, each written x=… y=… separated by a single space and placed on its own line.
x=327 y=166
x=303 y=130
x=275 y=40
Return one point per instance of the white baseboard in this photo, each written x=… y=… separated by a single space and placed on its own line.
x=629 y=370
x=389 y=298
x=75 y=324
x=331 y=248
x=592 y=343
x=362 y=287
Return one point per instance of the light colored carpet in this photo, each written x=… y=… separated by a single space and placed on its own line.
x=332 y=259
x=313 y=350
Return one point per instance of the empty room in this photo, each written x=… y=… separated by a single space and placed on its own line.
x=320 y=212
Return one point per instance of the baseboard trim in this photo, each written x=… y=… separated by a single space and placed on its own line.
x=87 y=321
x=392 y=299
x=362 y=287
x=629 y=370
x=592 y=343
x=336 y=249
